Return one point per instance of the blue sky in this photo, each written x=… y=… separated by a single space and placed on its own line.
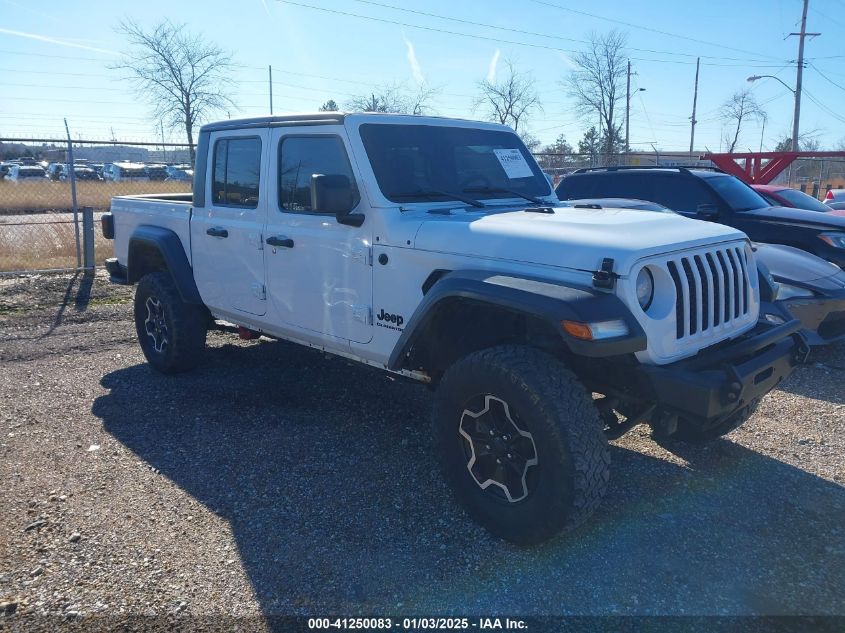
x=54 y=60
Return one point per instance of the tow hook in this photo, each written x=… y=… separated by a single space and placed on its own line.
x=605 y=277
x=734 y=390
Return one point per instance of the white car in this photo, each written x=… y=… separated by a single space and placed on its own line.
x=435 y=249
x=25 y=173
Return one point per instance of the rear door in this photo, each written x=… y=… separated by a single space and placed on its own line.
x=226 y=241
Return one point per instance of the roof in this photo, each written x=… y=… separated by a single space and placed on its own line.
x=637 y=170
x=769 y=188
x=326 y=118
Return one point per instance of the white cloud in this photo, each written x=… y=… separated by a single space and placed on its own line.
x=567 y=60
x=51 y=40
x=491 y=71
x=416 y=70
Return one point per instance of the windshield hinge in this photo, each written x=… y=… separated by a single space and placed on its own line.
x=605 y=277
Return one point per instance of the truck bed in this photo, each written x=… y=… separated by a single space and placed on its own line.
x=167 y=210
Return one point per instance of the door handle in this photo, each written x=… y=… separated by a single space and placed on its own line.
x=216 y=231
x=279 y=240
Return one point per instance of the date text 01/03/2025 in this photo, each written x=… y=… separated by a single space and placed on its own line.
x=415 y=624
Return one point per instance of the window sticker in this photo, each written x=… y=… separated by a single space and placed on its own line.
x=514 y=164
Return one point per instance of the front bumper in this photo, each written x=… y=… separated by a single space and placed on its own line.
x=709 y=387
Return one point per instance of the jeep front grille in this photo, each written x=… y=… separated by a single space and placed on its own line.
x=711 y=290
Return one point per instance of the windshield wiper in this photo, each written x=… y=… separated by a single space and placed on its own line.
x=504 y=190
x=427 y=193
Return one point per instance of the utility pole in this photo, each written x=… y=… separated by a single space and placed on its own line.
x=628 y=108
x=800 y=76
x=694 y=102
x=270 y=70
x=163 y=148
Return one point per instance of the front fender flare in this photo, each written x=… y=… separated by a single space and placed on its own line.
x=548 y=300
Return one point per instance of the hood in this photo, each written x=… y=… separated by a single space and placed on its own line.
x=793 y=264
x=804 y=217
x=568 y=237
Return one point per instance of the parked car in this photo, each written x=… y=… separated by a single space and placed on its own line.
x=82 y=172
x=180 y=173
x=805 y=287
x=53 y=170
x=20 y=173
x=780 y=196
x=834 y=196
x=436 y=250
x=156 y=172
x=837 y=208
x=718 y=197
x=126 y=171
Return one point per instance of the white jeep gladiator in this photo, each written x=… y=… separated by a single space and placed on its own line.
x=435 y=249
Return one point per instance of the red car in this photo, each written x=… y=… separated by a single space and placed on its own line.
x=780 y=196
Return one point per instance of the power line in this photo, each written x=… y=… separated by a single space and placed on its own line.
x=648 y=28
x=489 y=39
x=814 y=67
x=835 y=115
x=534 y=33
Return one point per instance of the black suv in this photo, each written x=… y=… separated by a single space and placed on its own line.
x=715 y=196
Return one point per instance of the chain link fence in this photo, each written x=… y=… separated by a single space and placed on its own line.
x=39 y=229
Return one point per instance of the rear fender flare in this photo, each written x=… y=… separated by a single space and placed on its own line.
x=153 y=248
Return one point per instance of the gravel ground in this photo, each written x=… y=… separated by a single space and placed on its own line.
x=275 y=480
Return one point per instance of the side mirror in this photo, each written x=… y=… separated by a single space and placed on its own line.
x=333 y=193
x=707 y=209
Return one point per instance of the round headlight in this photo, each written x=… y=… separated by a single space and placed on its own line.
x=645 y=288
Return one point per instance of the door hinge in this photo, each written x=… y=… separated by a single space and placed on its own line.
x=363 y=255
x=256 y=240
x=605 y=277
x=363 y=314
x=259 y=291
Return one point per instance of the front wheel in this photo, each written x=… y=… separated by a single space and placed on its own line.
x=520 y=442
x=171 y=332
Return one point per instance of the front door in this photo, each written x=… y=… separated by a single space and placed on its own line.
x=228 y=255
x=319 y=272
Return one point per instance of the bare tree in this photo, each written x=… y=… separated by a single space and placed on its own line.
x=597 y=85
x=395 y=98
x=737 y=110
x=182 y=75
x=510 y=100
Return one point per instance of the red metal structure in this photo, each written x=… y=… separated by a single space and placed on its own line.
x=756 y=172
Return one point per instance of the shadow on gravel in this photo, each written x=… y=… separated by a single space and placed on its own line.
x=822 y=377
x=325 y=473
x=77 y=292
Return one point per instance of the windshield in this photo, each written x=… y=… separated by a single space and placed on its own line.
x=738 y=195
x=801 y=200
x=431 y=162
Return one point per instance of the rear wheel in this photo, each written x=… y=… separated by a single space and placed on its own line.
x=171 y=332
x=520 y=443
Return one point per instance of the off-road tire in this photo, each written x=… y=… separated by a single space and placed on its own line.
x=185 y=325
x=550 y=403
x=692 y=434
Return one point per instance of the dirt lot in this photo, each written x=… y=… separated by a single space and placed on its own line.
x=274 y=480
